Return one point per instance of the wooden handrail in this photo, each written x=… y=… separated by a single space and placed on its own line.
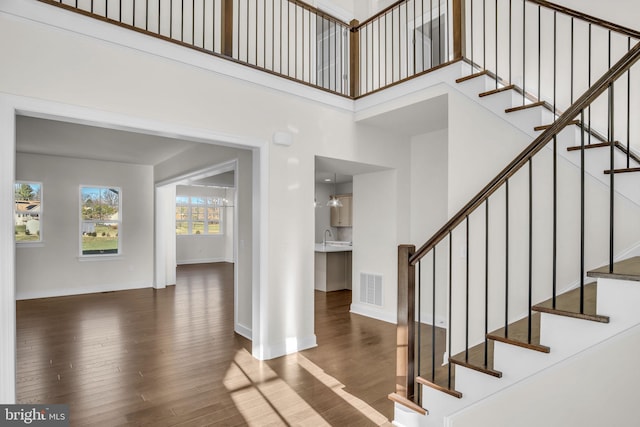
x=588 y=18
x=568 y=116
x=381 y=13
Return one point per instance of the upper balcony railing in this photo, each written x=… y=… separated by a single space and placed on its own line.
x=294 y=40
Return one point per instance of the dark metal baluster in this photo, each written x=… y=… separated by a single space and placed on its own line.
x=484 y=34
x=415 y=40
x=439 y=33
x=433 y=321
x=449 y=325
x=466 y=338
x=611 y=175
x=555 y=222
x=510 y=37
x=506 y=262
x=628 y=108
x=160 y=14
x=555 y=49
x=486 y=281
x=379 y=55
x=264 y=34
x=204 y=23
x=182 y=25
x=471 y=37
x=572 y=60
x=422 y=31
x=282 y=31
x=273 y=32
x=418 y=328
x=496 y=40
x=524 y=50
x=146 y=21
x=582 y=211
x=539 y=57
x=393 y=61
x=248 y=31
x=430 y=34
x=589 y=81
x=530 y=305
x=255 y=47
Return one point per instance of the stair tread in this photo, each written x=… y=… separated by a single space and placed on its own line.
x=628 y=269
x=518 y=334
x=622 y=170
x=440 y=384
x=471 y=76
x=524 y=107
x=545 y=127
x=568 y=304
x=474 y=359
x=498 y=90
x=606 y=144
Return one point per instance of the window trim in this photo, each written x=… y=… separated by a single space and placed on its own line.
x=40 y=240
x=82 y=221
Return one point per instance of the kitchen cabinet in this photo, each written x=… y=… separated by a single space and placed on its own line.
x=332 y=268
x=342 y=216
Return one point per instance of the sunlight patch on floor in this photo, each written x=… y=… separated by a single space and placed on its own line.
x=264 y=398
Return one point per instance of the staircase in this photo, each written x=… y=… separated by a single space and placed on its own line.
x=465 y=379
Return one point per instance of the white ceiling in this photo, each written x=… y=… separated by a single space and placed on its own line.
x=49 y=137
x=415 y=119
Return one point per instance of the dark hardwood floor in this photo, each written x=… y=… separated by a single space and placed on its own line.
x=170 y=357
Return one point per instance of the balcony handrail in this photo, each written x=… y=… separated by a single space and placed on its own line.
x=588 y=18
x=630 y=58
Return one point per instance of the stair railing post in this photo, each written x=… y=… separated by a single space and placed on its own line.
x=457 y=18
x=227 y=28
x=405 y=353
x=354 y=58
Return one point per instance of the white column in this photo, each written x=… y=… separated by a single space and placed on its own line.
x=165 y=230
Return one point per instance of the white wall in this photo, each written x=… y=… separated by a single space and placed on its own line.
x=194 y=249
x=54 y=267
x=571 y=393
x=429 y=202
x=376 y=198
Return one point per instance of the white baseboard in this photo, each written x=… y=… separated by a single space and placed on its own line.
x=50 y=293
x=375 y=313
x=292 y=345
x=244 y=331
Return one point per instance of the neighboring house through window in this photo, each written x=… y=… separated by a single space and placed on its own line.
x=28 y=212
x=197 y=215
x=100 y=213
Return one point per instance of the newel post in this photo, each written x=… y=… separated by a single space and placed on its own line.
x=227 y=28
x=405 y=353
x=354 y=58
x=457 y=21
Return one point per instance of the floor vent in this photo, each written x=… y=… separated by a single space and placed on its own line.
x=371 y=289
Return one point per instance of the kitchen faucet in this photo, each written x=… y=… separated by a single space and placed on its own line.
x=324 y=237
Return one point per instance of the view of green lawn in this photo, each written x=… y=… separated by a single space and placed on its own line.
x=22 y=236
x=105 y=239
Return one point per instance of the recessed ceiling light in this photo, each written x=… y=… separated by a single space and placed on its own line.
x=327 y=180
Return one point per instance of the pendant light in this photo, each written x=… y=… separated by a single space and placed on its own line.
x=334 y=202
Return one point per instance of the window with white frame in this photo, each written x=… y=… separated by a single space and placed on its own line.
x=28 y=212
x=199 y=215
x=101 y=219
